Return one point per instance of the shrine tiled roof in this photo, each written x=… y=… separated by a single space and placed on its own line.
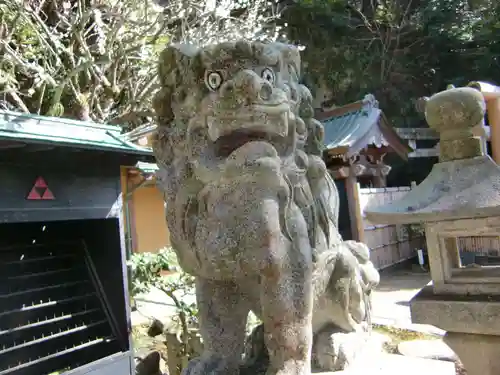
x=351 y=128
x=28 y=128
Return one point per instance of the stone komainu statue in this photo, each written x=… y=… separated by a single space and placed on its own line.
x=251 y=209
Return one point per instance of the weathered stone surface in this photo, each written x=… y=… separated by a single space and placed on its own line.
x=156 y=328
x=430 y=349
x=340 y=350
x=478 y=353
x=333 y=350
x=251 y=208
x=469 y=314
x=152 y=364
x=454 y=114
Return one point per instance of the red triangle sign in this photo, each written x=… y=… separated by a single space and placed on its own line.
x=34 y=195
x=47 y=196
x=40 y=183
x=40 y=191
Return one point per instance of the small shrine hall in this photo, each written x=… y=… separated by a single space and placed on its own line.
x=357 y=138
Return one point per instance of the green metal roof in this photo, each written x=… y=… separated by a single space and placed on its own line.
x=28 y=128
x=345 y=129
x=357 y=126
x=353 y=130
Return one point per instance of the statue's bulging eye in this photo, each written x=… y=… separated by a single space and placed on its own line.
x=213 y=80
x=268 y=75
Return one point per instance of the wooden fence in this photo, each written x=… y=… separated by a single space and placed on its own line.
x=485 y=245
x=390 y=244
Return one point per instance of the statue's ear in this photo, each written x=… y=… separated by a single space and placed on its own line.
x=177 y=72
x=291 y=57
x=175 y=61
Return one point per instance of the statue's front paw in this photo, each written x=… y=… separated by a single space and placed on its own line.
x=335 y=350
x=330 y=352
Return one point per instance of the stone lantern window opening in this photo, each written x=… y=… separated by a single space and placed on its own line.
x=448 y=273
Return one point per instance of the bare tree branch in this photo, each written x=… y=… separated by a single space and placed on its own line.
x=99 y=56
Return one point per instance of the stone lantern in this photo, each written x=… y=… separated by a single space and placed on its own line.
x=459 y=198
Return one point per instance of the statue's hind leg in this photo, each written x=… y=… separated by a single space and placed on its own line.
x=223 y=313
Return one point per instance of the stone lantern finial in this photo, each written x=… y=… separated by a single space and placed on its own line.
x=454 y=114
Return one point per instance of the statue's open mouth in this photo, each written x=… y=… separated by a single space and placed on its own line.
x=228 y=143
x=231 y=130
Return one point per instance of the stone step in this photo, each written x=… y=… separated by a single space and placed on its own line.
x=394 y=364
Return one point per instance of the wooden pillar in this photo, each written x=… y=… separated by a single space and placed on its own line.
x=374 y=163
x=132 y=236
x=382 y=171
x=491 y=95
x=493 y=111
x=352 y=190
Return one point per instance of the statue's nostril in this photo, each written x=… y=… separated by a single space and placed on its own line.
x=266 y=91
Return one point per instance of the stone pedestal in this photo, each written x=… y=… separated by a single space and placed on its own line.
x=472 y=324
x=480 y=354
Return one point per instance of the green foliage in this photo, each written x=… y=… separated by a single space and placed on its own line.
x=415 y=230
x=398 y=50
x=148 y=271
x=82 y=59
x=147 y=268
